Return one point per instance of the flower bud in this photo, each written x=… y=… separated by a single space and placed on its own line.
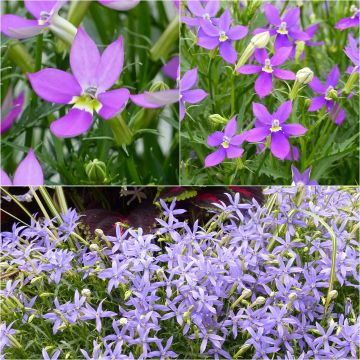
x=246 y=293
x=292 y=297
x=123 y=321
x=307 y=103
x=94 y=247
x=218 y=119
x=99 y=232
x=187 y=313
x=304 y=76
x=85 y=292
x=127 y=294
x=260 y=300
x=260 y=40
x=333 y=294
x=96 y=171
x=158 y=86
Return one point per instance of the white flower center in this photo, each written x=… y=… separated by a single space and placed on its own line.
x=44 y=17
x=267 y=68
x=226 y=142
x=222 y=36
x=282 y=28
x=275 y=126
x=206 y=16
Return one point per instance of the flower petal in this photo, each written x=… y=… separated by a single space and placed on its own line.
x=36 y=7
x=55 y=85
x=282 y=41
x=13 y=114
x=347 y=23
x=113 y=102
x=4 y=179
x=272 y=14
x=209 y=29
x=157 y=99
x=230 y=128
x=297 y=34
x=19 y=28
x=279 y=145
x=212 y=7
x=294 y=129
x=181 y=111
x=194 y=96
x=110 y=65
x=215 y=158
x=74 y=123
x=237 y=32
x=195 y=8
x=237 y=139
x=283 y=112
x=257 y=134
x=29 y=171
x=263 y=84
x=234 y=152
x=84 y=59
x=207 y=42
x=122 y=5
x=317 y=103
x=316 y=85
x=284 y=74
x=333 y=77
x=261 y=55
x=227 y=52
x=171 y=68
x=225 y=20
x=292 y=16
x=189 y=79
x=281 y=55
x=261 y=113
x=249 y=69
x=215 y=139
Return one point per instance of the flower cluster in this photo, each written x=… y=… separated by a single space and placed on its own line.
x=277 y=280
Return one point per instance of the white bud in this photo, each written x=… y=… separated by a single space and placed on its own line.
x=292 y=297
x=85 y=292
x=333 y=294
x=94 y=247
x=260 y=40
x=259 y=301
x=246 y=293
x=304 y=76
x=123 y=321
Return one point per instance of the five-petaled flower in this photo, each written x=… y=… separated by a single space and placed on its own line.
x=87 y=89
x=90 y=313
x=263 y=84
x=201 y=13
x=227 y=142
x=273 y=125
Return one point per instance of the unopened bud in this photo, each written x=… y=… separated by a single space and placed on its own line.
x=85 y=292
x=158 y=86
x=292 y=297
x=123 y=321
x=218 y=119
x=260 y=40
x=96 y=171
x=187 y=313
x=127 y=294
x=304 y=76
x=94 y=247
x=333 y=294
x=299 y=49
x=99 y=232
x=260 y=300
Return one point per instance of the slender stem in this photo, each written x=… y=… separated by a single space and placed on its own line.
x=261 y=163
x=39 y=50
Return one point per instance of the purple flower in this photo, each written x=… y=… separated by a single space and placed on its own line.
x=90 y=313
x=200 y=12
x=302 y=178
x=122 y=5
x=157 y=99
x=4 y=332
x=171 y=68
x=163 y=352
x=87 y=89
x=284 y=27
x=326 y=92
x=352 y=52
x=192 y=96
x=273 y=125
x=54 y=356
x=28 y=172
x=10 y=110
x=263 y=84
x=20 y=28
x=349 y=22
x=211 y=36
x=227 y=142
x=57 y=262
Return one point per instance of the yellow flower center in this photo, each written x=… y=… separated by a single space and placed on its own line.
x=86 y=102
x=275 y=126
x=222 y=36
x=267 y=68
x=226 y=142
x=282 y=29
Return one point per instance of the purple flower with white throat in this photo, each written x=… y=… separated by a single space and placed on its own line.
x=187 y=94
x=210 y=36
x=18 y=27
x=267 y=69
x=10 y=110
x=273 y=125
x=327 y=92
x=349 y=22
x=228 y=143
x=87 y=89
x=302 y=178
x=28 y=172
x=201 y=13
x=122 y=5
x=284 y=26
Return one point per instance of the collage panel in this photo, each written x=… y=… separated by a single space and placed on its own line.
x=179 y=272
x=270 y=92
x=78 y=79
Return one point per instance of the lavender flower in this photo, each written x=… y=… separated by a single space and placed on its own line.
x=302 y=178
x=201 y=13
x=54 y=356
x=90 y=313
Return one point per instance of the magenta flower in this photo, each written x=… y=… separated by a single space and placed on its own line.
x=349 y=22
x=211 y=36
x=20 y=28
x=171 y=68
x=263 y=84
x=283 y=27
x=10 y=110
x=87 y=88
x=227 y=142
x=28 y=172
x=187 y=94
x=302 y=178
x=273 y=125
x=325 y=98
x=119 y=5
x=201 y=13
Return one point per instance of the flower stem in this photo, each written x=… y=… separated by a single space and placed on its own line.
x=77 y=11
x=38 y=54
x=18 y=53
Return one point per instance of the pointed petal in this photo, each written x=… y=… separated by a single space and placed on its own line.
x=195 y=8
x=110 y=65
x=212 y=7
x=55 y=85
x=263 y=84
x=74 y=123
x=4 y=178
x=189 y=79
x=237 y=139
x=215 y=158
x=317 y=86
x=29 y=171
x=230 y=128
x=283 y=112
x=157 y=99
x=113 y=102
x=209 y=29
x=248 y=69
x=84 y=59
x=297 y=34
x=292 y=16
x=228 y=52
x=279 y=145
x=281 y=55
x=257 y=134
x=294 y=129
x=208 y=42
x=261 y=55
x=333 y=77
x=181 y=110
x=261 y=113
x=237 y=32
x=234 y=152
x=215 y=139
x=347 y=23
x=272 y=14
x=296 y=176
x=19 y=28
x=225 y=20
x=284 y=74
x=171 y=68
x=317 y=103
x=194 y=96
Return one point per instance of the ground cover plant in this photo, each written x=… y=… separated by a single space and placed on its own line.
x=72 y=73
x=279 y=91
x=273 y=278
